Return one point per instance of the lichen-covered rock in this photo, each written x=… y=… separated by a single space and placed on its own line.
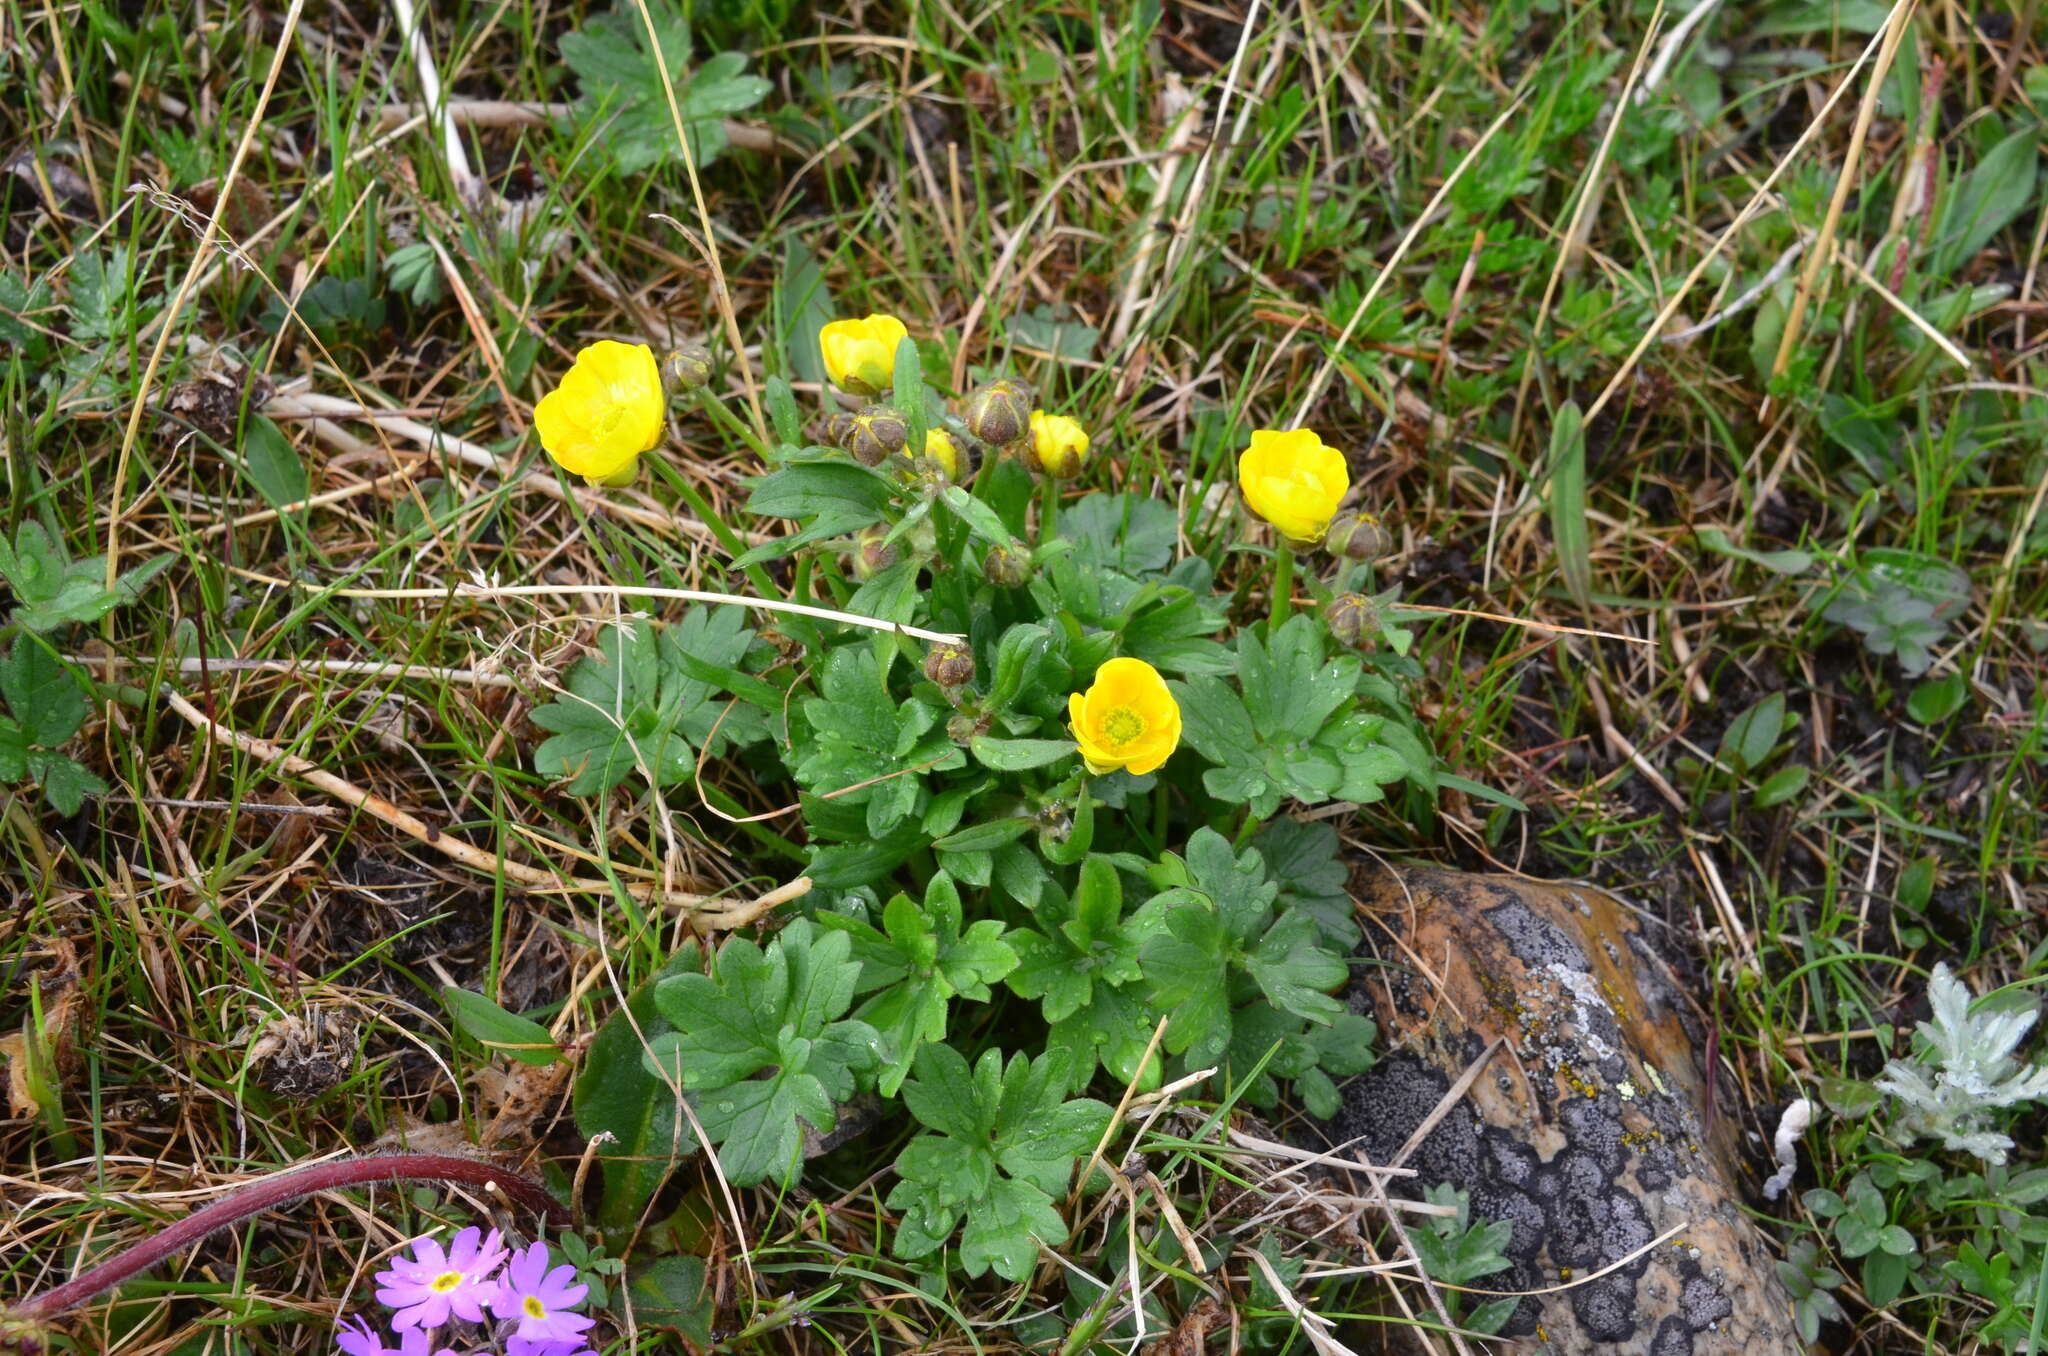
x=1584 y=1129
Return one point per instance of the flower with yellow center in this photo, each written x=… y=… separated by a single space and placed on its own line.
x=609 y=409
x=860 y=355
x=1058 y=444
x=939 y=446
x=1127 y=719
x=1294 y=481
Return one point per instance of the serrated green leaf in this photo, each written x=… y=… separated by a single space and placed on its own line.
x=919 y=961
x=52 y=590
x=500 y=1031
x=1132 y=533
x=100 y=287
x=1006 y=1139
x=643 y=703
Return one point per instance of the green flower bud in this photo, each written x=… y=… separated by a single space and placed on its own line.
x=875 y=434
x=873 y=552
x=999 y=413
x=963 y=726
x=950 y=666
x=1353 y=619
x=686 y=368
x=1009 y=567
x=1361 y=536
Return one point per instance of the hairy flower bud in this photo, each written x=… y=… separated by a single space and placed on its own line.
x=875 y=434
x=999 y=413
x=1009 y=567
x=686 y=368
x=962 y=726
x=873 y=552
x=1361 y=536
x=1353 y=619
x=950 y=666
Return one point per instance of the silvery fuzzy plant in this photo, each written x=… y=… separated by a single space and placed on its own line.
x=1972 y=1072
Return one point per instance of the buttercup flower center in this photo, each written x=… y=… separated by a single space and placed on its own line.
x=533 y=1308
x=447 y=1281
x=1122 y=725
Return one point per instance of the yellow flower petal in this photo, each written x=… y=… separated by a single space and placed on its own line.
x=1294 y=481
x=938 y=445
x=1060 y=443
x=1126 y=719
x=860 y=355
x=608 y=408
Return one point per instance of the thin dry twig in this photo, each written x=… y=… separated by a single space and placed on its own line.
x=706 y=910
x=469 y=589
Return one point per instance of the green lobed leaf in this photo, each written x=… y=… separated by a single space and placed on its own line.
x=623 y=90
x=770 y=1010
x=1005 y=1139
x=919 y=961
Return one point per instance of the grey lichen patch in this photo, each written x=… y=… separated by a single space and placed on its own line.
x=1536 y=940
x=1584 y=1134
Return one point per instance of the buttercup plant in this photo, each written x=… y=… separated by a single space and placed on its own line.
x=1056 y=828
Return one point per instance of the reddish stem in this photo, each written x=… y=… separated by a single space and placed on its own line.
x=282 y=1189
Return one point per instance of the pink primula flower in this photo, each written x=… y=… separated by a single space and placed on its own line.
x=432 y=1284
x=540 y=1300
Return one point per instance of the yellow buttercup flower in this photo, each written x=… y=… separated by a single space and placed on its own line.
x=1058 y=444
x=1294 y=481
x=609 y=409
x=860 y=355
x=939 y=446
x=1128 y=719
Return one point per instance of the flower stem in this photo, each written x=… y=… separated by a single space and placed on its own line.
x=1283 y=589
x=1049 y=512
x=281 y=1189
